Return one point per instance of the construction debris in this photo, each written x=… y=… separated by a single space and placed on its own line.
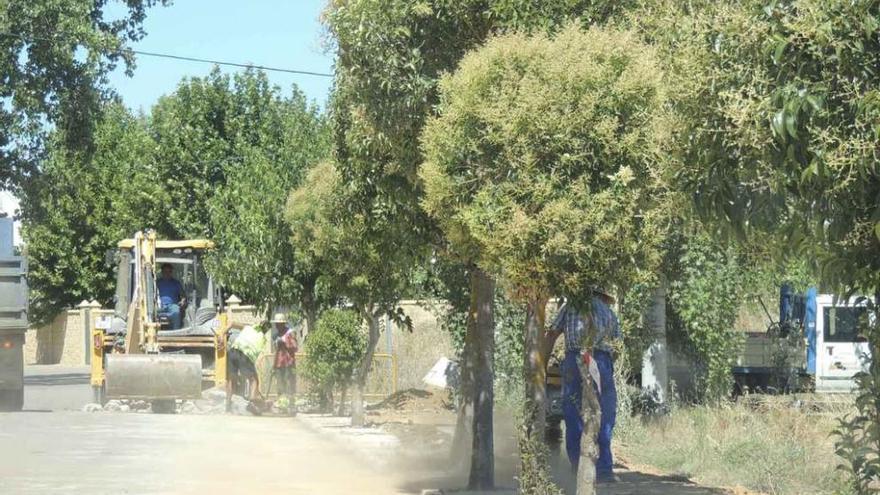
x=213 y=401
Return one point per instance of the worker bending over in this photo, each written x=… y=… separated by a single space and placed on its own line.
x=241 y=369
x=572 y=323
x=284 y=338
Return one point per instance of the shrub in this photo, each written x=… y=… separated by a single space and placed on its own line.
x=333 y=351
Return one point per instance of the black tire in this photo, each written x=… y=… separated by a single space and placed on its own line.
x=164 y=406
x=12 y=400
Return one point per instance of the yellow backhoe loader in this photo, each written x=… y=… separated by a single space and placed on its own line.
x=136 y=352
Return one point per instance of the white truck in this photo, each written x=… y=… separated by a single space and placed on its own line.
x=826 y=351
x=13 y=320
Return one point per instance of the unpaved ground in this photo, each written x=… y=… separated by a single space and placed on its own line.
x=420 y=425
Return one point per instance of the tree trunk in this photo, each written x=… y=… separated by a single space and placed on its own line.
x=591 y=412
x=357 y=395
x=536 y=368
x=482 y=475
x=310 y=307
x=464 y=420
x=342 y=393
x=655 y=376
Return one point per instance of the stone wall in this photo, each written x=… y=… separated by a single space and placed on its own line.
x=63 y=341
x=59 y=342
x=417 y=351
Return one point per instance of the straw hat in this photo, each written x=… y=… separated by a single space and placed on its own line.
x=600 y=291
x=279 y=318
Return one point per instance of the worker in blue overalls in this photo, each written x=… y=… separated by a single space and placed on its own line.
x=572 y=322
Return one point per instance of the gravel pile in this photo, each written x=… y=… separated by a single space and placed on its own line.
x=213 y=401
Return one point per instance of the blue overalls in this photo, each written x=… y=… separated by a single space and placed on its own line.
x=571 y=408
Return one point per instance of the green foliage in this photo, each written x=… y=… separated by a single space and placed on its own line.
x=543 y=153
x=535 y=477
x=705 y=296
x=334 y=350
x=782 y=113
x=80 y=206
x=254 y=255
x=219 y=157
x=858 y=435
x=209 y=126
x=54 y=57
x=509 y=344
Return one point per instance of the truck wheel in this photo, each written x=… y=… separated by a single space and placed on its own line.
x=12 y=400
x=164 y=406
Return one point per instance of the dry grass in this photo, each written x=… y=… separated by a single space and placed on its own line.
x=770 y=445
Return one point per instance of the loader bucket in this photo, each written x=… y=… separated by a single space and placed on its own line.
x=153 y=376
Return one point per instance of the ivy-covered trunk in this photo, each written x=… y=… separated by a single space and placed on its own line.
x=536 y=366
x=482 y=475
x=590 y=411
x=357 y=395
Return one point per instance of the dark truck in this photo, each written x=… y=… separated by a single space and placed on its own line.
x=13 y=321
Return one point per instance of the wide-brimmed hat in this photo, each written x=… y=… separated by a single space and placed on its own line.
x=279 y=318
x=600 y=291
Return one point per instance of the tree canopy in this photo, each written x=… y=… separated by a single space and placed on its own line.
x=80 y=206
x=219 y=156
x=54 y=57
x=546 y=156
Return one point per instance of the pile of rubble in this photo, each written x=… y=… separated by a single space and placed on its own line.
x=213 y=401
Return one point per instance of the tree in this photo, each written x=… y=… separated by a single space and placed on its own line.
x=54 y=57
x=203 y=132
x=806 y=137
x=781 y=108
x=254 y=255
x=359 y=255
x=80 y=206
x=547 y=159
x=334 y=350
x=390 y=57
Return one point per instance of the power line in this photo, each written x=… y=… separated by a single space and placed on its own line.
x=231 y=64
x=191 y=59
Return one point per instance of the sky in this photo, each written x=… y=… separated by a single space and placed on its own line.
x=274 y=33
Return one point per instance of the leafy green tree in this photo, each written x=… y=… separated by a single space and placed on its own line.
x=255 y=256
x=333 y=351
x=80 y=206
x=203 y=132
x=781 y=103
x=705 y=293
x=358 y=254
x=547 y=159
x=54 y=57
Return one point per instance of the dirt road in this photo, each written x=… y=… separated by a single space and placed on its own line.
x=74 y=452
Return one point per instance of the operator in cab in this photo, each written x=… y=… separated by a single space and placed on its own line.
x=171 y=296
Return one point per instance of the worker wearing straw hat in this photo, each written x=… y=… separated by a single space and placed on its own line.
x=574 y=323
x=284 y=366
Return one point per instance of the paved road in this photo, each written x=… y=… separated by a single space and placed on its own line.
x=53 y=448
x=56 y=388
x=76 y=452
